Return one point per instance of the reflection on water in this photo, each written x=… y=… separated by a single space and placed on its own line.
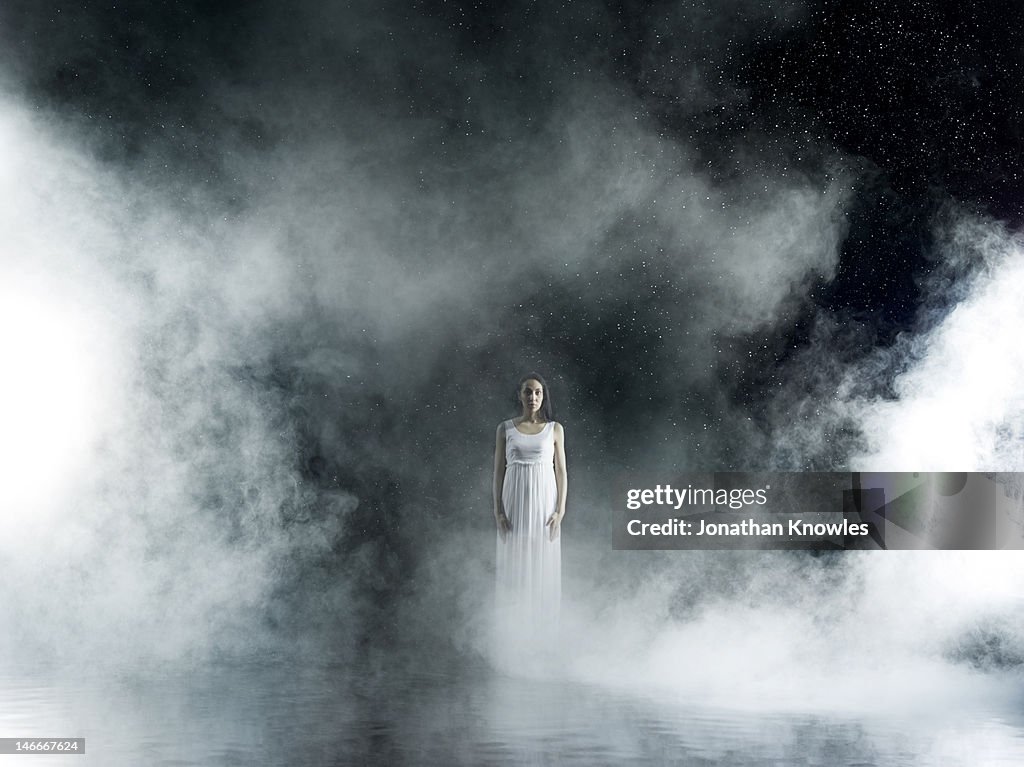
x=330 y=715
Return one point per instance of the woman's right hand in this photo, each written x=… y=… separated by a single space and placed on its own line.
x=504 y=526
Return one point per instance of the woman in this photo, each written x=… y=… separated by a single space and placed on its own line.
x=529 y=504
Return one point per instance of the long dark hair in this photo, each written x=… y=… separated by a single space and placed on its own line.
x=547 y=408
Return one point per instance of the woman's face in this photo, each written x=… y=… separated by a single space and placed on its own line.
x=531 y=395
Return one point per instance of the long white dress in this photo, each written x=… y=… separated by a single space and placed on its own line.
x=529 y=564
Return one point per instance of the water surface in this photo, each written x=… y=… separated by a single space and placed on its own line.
x=283 y=714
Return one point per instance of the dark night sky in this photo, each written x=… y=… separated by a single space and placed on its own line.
x=725 y=230
x=921 y=98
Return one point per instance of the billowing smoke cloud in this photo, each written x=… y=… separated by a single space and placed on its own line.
x=153 y=500
x=305 y=276
x=912 y=628
x=943 y=396
x=958 y=405
x=379 y=239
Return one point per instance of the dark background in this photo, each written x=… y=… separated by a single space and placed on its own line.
x=696 y=219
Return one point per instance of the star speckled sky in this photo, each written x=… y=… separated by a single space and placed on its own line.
x=908 y=108
x=728 y=232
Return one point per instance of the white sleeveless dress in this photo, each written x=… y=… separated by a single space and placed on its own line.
x=529 y=565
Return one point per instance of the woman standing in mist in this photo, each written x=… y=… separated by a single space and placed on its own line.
x=529 y=503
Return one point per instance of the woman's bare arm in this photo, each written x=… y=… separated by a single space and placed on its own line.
x=561 y=481
x=499 y=480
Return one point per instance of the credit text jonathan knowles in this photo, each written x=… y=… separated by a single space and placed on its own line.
x=735 y=499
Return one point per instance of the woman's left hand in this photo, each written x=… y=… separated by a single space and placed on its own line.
x=552 y=524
